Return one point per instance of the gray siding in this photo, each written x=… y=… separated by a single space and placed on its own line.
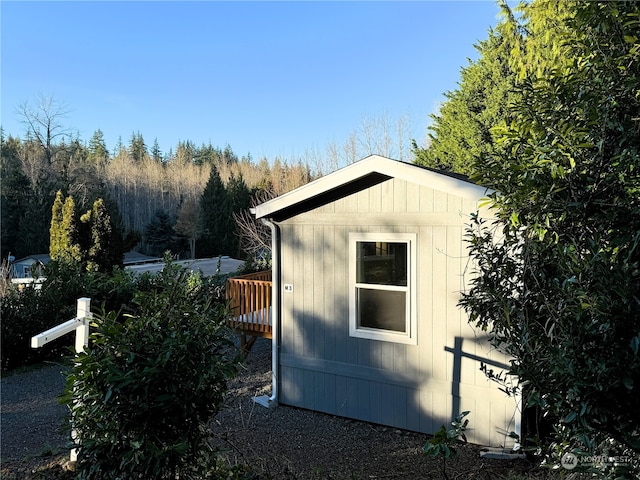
x=417 y=387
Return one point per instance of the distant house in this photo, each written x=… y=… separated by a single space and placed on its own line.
x=30 y=266
x=368 y=266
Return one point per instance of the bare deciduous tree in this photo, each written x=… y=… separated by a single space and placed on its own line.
x=43 y=120
x=255 y=237
x=188 y=223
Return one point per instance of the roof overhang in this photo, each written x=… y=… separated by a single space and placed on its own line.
x=366 y=173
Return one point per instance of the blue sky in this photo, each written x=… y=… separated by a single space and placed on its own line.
x=267 y=78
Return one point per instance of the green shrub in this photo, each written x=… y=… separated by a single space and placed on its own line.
x=143 y=393
x=24 y=315
x=444 y=441
x=28 y=312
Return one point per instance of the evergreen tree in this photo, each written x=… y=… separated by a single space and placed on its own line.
x=35 y=218
x=137 y=147
x=239 y=197
x=207 y=154
x=117 y=150
x=98 y=153
x=156 y=154
x=215 y=217
x=104 y=250
x=461 y=132
x=56 y=242
x=159 y=234
x=63 y=244
x=14 y=188
x=558 y=272
x=185 y=152
x=228 y=156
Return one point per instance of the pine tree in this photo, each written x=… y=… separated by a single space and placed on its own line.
x=239 y=198
x=159 y=234
x=215 y=218
x=98 y=152
x=137 y=147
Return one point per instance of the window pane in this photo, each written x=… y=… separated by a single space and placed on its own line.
x=382 y=309
x=382 y=263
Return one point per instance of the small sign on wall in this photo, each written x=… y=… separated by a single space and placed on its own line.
x=288 y=287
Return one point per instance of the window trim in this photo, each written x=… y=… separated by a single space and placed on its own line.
x=410 y=336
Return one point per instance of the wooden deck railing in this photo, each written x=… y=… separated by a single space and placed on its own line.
x=249 y=298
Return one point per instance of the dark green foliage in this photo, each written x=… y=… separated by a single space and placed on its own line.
x=216 y=220
x=105 y=247
x=25 y=314
x=443 y=442
x=35 y=219
x=98 y=154
x=460 y=135
x=30 y=311
x=239 y=200
x=156 y=154
x=558 y=285
x=143 y=393
x=137 y=147
x=159 y=234
x=14 y=186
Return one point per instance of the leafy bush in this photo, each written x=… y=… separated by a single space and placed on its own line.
x=142 y=394
x=557 y=282
x=444 y=440
x=24 y=314
x=30 y=311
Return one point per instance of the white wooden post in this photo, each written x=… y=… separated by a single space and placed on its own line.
x=80 y=325
x=82 y=331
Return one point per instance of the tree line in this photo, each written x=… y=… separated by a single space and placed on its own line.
x=191 y=193
x=156 y=200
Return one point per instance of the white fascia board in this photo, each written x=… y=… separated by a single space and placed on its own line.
x=372 y=164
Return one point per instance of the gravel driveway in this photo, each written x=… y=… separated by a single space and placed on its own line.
x=281 y=443
x=30 y=415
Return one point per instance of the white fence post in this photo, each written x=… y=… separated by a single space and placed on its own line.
x=80 y=325
x=82 y=331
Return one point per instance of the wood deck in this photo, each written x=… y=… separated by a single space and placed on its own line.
x=249 y=298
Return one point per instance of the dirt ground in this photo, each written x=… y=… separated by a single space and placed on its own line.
x=277 y=443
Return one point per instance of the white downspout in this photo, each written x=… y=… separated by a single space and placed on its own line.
x=263 y=400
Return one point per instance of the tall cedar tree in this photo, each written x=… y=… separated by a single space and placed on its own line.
x=105 y=248
x=239 y=200
x=216 y=220
x=558 y=271
x=460 y=135
x=63 y=234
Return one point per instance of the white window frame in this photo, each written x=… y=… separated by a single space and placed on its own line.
x=410 y=336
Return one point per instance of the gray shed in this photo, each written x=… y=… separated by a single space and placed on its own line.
x=368 y=266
